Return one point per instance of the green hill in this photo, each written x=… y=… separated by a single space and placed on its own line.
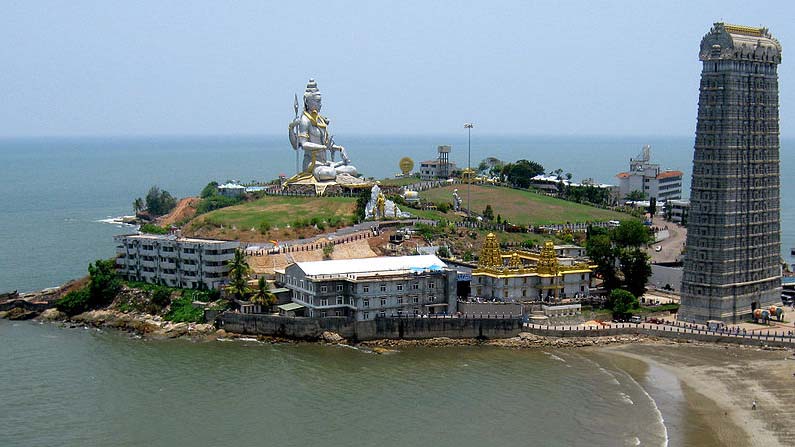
x=522 y=207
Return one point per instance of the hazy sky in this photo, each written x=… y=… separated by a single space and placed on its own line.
x=210 y=67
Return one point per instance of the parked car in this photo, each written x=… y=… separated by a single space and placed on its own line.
x=636 y=319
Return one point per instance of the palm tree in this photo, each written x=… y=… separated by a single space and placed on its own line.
x=263 y=295
x=239 y=272
x=138 y=205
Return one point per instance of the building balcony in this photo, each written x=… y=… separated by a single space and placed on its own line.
x=189 y=267
x=152 y=264
x=189 y=256
x=217 y=258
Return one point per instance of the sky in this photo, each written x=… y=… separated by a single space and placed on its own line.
x=113 y=68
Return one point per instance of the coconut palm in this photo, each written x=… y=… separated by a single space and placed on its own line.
x=239 y=272
x=263 y=296
x=138 y=205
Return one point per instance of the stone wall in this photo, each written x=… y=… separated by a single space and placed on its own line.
x=391 y=328
x=490 y=308
x=669 y=332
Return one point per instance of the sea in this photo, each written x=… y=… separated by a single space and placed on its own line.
x=89 y=387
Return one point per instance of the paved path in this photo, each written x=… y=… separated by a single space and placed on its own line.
x=671 y=248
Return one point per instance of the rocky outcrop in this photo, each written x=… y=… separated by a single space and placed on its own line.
x=18 y=313
x=523 y=340
x=145 y=324
x=332 y=337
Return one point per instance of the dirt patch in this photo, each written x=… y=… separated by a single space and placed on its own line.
x=185 y=209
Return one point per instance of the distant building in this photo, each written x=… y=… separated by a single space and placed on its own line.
x=732 y=263
x=441 y=168
x=363 y=289
x=677 y=210
x=231 y=189
x=173 y=261
x=526 y=276
x=647 y=178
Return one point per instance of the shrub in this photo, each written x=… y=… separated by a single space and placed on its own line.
x=182 y=310
x=264 y=227
x=161 y=297
x=74 y=302
x=153 y=229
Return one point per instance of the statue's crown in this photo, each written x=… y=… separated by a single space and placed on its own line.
x=311 y=88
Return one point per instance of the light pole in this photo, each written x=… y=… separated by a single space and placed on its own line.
x=468 y=127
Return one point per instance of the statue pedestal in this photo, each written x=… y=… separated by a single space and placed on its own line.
x=343 y=185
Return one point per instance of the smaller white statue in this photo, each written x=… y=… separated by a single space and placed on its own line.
x=378 y=207
x=456 y=201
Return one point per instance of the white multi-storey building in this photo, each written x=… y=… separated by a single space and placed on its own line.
x=364 y=289
x=647 y=178
x=174 y=261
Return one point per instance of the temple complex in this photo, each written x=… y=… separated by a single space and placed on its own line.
x=731 y=264
x=526 y=276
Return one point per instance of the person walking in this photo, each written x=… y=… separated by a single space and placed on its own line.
x=753 y=405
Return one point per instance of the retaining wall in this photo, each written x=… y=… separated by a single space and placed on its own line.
x=390 y=328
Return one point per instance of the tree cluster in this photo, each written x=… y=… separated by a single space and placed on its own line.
x=157 y=203
x=103 y=285
x=520 y=173
x=618 y=253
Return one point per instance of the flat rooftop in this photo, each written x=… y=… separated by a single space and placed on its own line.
x=384 y=264
x=167 y=237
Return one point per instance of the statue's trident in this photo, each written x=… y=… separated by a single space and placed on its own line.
x=295 y=121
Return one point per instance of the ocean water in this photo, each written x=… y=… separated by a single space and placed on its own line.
x=57 y=190
x=85 y=387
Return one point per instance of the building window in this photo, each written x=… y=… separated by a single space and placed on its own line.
x=400 y=287
x=323 y=289
x=416 y=299
x=339 y=287
x=322 y=314
x=383 y=302
x=340 y=299
x=338 y=313
x=415 y=286
x=431 y=284
x=366 y=289
x=324 y=301
x=365 y=303
x=400 y=300
x=383 y=287
x=431 y=299
x=365 y=315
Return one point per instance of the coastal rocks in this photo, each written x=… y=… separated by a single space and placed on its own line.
x=18 y=313
x=331 y=337
x=52 y=315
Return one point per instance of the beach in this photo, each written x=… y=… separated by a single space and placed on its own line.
x=719 y=384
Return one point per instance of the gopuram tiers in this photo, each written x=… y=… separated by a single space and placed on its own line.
x=522 y=275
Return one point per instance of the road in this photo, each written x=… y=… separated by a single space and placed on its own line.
x=671 y=247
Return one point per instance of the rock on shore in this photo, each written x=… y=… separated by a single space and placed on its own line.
x=523 y=340
x=144 y=324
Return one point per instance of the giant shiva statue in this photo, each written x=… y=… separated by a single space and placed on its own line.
x=309 y=132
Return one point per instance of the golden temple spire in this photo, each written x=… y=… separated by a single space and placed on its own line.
x=515 y=262
x=548 y=262
x=490 y=255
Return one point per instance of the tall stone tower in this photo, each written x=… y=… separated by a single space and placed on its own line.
x=731 y=263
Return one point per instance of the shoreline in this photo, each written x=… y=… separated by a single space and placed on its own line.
x=719 y=383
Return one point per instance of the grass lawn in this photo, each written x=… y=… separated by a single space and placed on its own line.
x=278 y=211
x=523 y=207
x=402 y=181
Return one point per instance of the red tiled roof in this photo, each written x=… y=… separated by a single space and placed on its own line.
x=669 y=174
x=623 y=175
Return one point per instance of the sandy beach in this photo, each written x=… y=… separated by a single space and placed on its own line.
x=719 y=384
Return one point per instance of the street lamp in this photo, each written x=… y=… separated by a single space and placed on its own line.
x=468 y=127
